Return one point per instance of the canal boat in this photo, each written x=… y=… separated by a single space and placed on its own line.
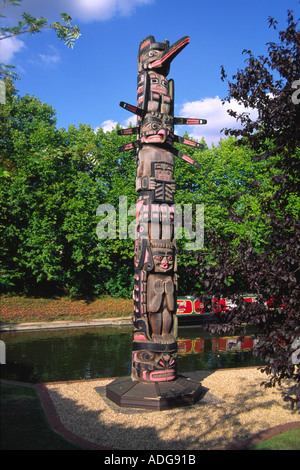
x=192 y=309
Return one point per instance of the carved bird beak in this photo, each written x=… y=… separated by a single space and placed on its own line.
x=170 y=53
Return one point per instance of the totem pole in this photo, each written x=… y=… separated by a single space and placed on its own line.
x=154 y=356
x=154 y=382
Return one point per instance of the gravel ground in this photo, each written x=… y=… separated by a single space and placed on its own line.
x=234 y=408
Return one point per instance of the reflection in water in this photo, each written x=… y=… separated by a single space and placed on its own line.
x=199 y=351
x=87 y=353
x=220 y=344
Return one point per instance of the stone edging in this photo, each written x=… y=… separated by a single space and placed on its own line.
x=33 y=326
x=57 y=425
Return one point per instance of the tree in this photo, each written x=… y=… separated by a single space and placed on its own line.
x=57 y=179
x=267 y=83
x=223 y=184
x=27 y=126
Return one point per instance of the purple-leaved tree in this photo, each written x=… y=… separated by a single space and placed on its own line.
x=271 y=85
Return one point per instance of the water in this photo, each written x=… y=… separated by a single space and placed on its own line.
x=89 y=353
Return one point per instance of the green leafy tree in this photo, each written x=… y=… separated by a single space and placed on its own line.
x=27 y=127
x=223 y=184
x=57 y=180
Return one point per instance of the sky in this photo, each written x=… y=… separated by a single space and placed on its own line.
x=85 y=84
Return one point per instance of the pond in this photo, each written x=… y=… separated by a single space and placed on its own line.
x=104 y=352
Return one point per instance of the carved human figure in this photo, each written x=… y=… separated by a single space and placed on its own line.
x=161 y=301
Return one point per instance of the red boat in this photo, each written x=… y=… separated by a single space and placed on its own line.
x=192 y=308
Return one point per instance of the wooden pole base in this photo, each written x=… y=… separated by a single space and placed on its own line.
x=157 y=396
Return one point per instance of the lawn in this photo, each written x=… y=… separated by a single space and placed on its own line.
x=20 y=309
x=24 y=425
x=289 y=440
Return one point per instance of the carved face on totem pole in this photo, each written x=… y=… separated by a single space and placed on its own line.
x=150 y=51
x=163 y=171
x=157 y=127
x=156 y=366
x=163 y=259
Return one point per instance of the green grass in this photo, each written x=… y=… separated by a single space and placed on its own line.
x=24 y=425
x=289 y=440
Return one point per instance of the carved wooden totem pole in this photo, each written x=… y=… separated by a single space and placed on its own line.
x=154 y=356
x=155 y=283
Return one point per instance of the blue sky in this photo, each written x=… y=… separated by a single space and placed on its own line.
x=86 y=84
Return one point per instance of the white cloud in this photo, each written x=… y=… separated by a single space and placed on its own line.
x=9 y=47
x=83 y=10
x=109 y=124
x=216 y=115
x=52 y=58
x=87 y=10
x=131 y=120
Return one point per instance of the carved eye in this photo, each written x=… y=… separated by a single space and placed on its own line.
x=170 y=258
x=159 y=258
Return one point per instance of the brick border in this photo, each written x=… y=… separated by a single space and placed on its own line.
x=53 y=417
x=57 y=425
